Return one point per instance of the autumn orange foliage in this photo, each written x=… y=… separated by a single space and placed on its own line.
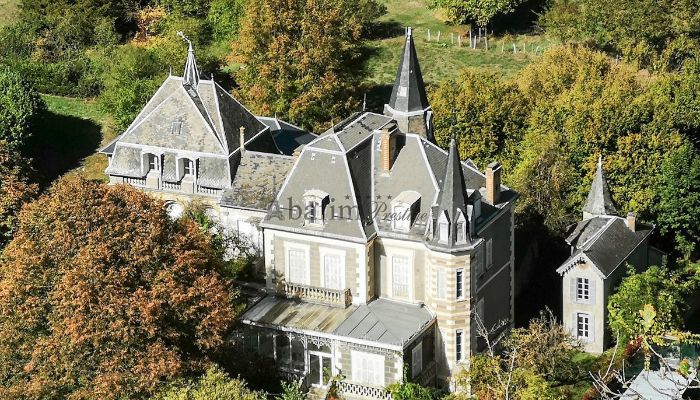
x=102 y=296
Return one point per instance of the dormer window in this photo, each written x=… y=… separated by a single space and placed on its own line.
x=461 y=228
x=153 y=162
x=315 y=202
x=460 y=232
x=188 y=167
x=404 y=210
x=443 y=228
x=401 y=218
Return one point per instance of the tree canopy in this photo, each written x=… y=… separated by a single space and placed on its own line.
x=479 y=11
x=103 y=296
x=213 y=385
x=299 y=59
x=20 y=108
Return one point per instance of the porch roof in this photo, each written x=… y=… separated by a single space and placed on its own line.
x=382 y=321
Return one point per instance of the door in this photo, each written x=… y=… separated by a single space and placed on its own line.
x=319 y=369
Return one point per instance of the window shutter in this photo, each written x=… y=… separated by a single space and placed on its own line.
x=591 y=328
x=180 y=168
x=591 y=291
x=572 y=294
x=574 y=325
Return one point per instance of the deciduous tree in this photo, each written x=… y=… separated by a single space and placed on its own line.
x=299 y=59
x=102 y=296
x=20 y=108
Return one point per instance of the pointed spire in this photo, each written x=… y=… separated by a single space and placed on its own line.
x=191 y=75
x=599 y=201
x=453 y=194
x=408 y=94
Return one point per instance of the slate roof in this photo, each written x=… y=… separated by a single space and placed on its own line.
x=606 y=241
x=381 y=321
x=599 y=201
x=657 y=385
x=408 y=94
x=288 y=138
x=350 y=158
x=257 y=180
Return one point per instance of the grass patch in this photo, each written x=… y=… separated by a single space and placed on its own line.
x=445 y=59
x=8 y=11
x=68 y=138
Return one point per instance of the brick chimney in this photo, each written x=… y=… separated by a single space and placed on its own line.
x=493 y=183
x=632 y=221
x=241 y=139
x=386 y=147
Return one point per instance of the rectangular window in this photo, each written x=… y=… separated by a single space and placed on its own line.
x=583 y=326
x=583 y=287
x=417 y=360
x=332 y=271
x=296 y=262
x=367 y=369
x=489 y=253
x=400 y=276
x=458 y=344
x=189 y=167
x=153 y=162
x=460 y=231
x=441 y=283
x=459 y=278
x=401 y=218
x=177 y=126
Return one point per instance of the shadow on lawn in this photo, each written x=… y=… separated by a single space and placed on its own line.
x=60 y=143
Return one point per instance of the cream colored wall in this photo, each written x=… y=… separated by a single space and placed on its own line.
x=596 y=309
x=356 y=264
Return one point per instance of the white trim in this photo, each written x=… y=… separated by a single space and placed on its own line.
x=299 y=247
x=407 y=114
x=410 y=256
x=591 y=327
x=327 y=251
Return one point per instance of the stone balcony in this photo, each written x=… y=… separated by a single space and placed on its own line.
x=333 y=297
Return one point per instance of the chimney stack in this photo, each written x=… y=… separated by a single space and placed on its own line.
x=493 y=183
x=241 y=139
x=387 y=148
x=632 y=221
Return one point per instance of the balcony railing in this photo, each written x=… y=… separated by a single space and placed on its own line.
x=354 y=389
x=333 y=297
x=208 y=190
x=135 y=181
x=171 y=185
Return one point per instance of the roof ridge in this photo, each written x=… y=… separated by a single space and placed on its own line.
x=588 y=243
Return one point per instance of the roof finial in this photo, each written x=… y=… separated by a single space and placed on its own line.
x=191 y=74
x=600 y=161
x=364 y=103
x=409 y=31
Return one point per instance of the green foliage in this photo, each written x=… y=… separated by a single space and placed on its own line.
x=479 y=11
x=20 y=108
x=291 y=391
x=655 y=34
x=213 y=385
x=225 y=17
x=486 y=114
x=299 y=59
x=656 y=287
x=412 y=391
x=679 y=198
x=133 y=75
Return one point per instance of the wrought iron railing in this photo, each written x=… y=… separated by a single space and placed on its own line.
x=312 y=294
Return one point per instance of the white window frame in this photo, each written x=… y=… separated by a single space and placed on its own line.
x=188 y=164
x=440 y=283
x=417 y=354
x=588 y=337
x=459 y=283
x=297 y=247
x=398 y=222
x=326 y=251
x=583 y=290
x=155 y=165
x=373 y=377
x=390 y=260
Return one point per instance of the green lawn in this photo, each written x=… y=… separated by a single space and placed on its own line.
x=8 y=11
x=69 y=137
x=444 y=59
